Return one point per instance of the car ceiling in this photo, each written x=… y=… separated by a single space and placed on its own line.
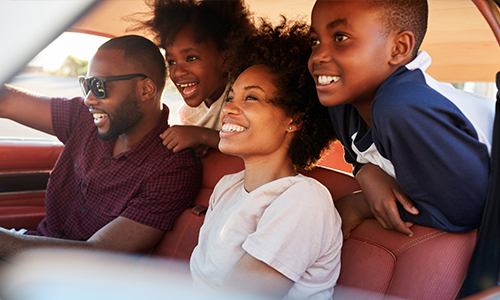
x=459 y=40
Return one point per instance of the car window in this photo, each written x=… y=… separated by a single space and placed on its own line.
x=54 y=71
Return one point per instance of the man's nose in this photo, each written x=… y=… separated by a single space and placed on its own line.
x=90 y=99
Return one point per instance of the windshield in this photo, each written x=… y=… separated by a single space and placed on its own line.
x=54 y=71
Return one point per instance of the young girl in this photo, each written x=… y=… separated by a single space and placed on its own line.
x=269 y=229
x=194 y=35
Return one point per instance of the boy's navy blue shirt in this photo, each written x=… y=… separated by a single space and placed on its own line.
x=433 y=139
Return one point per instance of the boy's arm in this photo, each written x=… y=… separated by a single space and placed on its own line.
x=353 y=209
x=26 y=108
x=180 y=137
x=437 y=155
x=381 y=193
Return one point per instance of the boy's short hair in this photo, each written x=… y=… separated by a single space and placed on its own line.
x=142 y=52
x=400 y=15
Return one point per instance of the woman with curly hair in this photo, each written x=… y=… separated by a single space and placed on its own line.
x=269 y=229
x=194 y=35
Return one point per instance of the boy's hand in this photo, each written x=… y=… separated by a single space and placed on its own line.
x=353 y=209
x=180 y=137
x=381 y=192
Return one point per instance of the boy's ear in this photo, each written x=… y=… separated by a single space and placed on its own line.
x=404 y=42
x=147 y=89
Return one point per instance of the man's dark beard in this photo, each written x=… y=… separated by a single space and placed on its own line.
x=125 y=117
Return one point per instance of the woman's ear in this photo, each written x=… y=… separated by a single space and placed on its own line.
x=404 y=42
x=294 y=125
x=147 y=89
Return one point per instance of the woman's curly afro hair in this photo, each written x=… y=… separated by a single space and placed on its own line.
x=285 y=50
x=210 y=20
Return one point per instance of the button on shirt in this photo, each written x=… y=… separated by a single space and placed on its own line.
x=89 y=187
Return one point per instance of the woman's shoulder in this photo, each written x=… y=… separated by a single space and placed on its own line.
x=230 y=179
x=312 y=184
x=301 y=190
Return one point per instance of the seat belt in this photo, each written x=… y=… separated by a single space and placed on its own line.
x=484 y=266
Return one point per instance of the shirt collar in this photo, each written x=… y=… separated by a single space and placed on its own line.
x=422 y=61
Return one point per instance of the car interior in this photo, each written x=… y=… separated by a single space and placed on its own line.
x=376 y=263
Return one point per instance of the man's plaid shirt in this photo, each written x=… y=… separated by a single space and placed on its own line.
x=89 y=187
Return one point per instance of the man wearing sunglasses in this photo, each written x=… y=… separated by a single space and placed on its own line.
x=115 y=186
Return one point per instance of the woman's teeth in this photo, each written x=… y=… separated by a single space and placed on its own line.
x=232 y=128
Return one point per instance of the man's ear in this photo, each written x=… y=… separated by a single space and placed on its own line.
x=404 y=42
x=147 y=89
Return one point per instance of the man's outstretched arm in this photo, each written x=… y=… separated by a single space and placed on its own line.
x=120 y=235
x=26 y=108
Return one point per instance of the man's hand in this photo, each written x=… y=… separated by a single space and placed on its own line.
x=353 y=209
x=381 y=192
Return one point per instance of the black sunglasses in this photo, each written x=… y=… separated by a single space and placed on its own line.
x=96 y=84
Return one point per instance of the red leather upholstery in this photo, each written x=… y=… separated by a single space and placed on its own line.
x=430 y=265
x=16 y=156
x=21 y=216
x=25 y=209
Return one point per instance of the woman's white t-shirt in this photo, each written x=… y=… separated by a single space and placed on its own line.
x=290 y=224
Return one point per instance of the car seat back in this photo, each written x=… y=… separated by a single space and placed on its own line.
x=378 y=263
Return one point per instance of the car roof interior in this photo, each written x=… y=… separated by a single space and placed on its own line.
x=476 y=56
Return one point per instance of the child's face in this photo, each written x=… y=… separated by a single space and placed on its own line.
x=196 y=69
x=253 y=127
x=350 y=53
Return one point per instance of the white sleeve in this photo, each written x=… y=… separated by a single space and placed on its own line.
x=295 y=230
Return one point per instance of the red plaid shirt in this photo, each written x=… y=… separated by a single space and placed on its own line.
x=89 y=187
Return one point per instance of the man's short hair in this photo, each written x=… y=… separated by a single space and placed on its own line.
x=400 y=15
x=142 y=52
